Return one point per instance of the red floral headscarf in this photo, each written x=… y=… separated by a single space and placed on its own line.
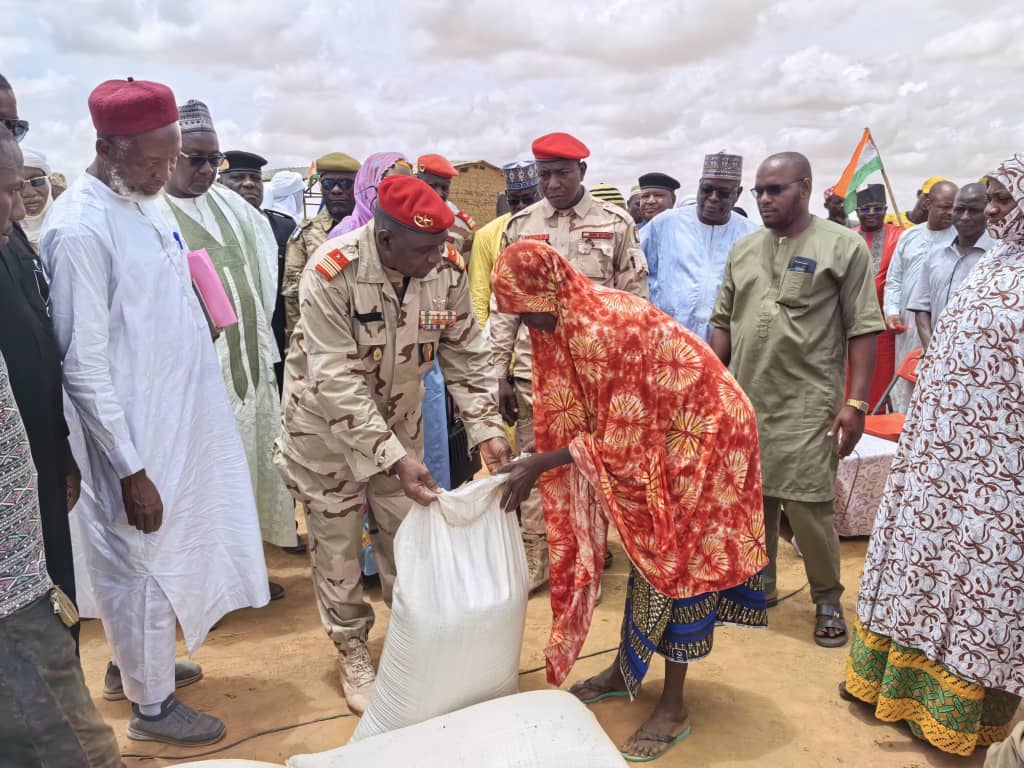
x=663 y=440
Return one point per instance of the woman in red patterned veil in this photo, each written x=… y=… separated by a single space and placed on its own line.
x=639 y=424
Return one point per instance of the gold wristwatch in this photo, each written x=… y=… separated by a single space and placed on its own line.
x=860 y=405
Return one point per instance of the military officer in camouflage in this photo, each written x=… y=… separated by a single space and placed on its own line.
x=378 y=305
x=337 y=173
x=598 y=238
x=438 y=172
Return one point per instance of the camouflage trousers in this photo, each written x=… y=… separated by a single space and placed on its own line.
x=334 y=523
x=531 y=513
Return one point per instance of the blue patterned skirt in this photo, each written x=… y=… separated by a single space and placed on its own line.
x=682 y=630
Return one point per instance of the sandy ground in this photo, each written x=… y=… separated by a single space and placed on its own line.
x=763 y=697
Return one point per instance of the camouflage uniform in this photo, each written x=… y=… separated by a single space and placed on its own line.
x=460 y=234
x=352 y=406
x=309 y=236
x=599 y=239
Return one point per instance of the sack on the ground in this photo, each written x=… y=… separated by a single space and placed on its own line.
x=458 y=612
x=539 y=729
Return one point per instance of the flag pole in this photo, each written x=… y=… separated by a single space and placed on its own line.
x=888 y=184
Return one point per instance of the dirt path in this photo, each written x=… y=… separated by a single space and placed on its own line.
x=762 y=698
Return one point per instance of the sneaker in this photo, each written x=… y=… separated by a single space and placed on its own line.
x=176 y=724
x=537 y=559
x=185 y=673
x=357 y=675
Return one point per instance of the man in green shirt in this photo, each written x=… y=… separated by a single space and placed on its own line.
x=797 y=302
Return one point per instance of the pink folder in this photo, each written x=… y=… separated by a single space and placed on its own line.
x=210 y=291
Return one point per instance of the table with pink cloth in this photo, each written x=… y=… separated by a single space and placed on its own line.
x=860 y=483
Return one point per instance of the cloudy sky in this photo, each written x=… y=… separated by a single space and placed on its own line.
x=649 y=85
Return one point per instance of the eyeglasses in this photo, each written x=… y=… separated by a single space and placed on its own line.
x=722 y=193
x=870 y=210
x=326 y=185
x=17 y=127
x=773 y=190
x=38 y=181
x=197 y=161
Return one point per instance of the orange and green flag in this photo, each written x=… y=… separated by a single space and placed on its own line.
x=865 y=161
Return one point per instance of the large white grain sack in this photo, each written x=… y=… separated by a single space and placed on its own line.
x=539 y=729
x=229 y=764
x=458 y=612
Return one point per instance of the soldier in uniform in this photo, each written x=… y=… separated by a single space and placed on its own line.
x=337 y=173
x=378 y=305
x=598 y=238
x=438 y=173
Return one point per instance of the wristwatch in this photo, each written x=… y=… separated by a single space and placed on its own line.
x=860 y=405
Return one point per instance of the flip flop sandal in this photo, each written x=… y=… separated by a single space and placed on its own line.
x=830 y=616
x=604 y=692
x=668 y=741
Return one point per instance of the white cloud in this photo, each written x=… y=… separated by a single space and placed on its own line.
x=648 y=85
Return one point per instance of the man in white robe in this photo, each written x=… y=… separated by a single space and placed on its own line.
x=243 y=249
x=686 y=248
x=174 y=536
x=908 y=260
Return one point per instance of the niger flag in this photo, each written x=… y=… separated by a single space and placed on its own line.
x=865 y=161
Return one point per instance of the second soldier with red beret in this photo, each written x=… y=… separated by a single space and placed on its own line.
x=438 y=172
x=379 y=304
x=598 y=238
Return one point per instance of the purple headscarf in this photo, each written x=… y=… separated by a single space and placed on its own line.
x=365 y=189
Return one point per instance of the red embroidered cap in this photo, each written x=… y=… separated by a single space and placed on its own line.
x=412 y=203
x=130 y=107
x=559 y=146
x=436 y=165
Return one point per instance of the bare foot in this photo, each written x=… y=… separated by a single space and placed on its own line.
x=608 y=682
x=655 y=736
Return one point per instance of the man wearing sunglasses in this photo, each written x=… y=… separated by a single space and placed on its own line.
x=28 y=344
x=242 y=247
x=881 y=239
x=686 y=248
x=337 y=174
x=796 y=306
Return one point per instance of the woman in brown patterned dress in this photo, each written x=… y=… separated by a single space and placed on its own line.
x=939 y=641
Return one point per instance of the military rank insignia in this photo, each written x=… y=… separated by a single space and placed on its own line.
x=427 y=352
x=330 y=266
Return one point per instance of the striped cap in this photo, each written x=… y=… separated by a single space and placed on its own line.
x=608 y=193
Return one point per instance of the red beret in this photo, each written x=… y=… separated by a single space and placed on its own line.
x=436 y=165
x=559 y=146
x=130 y=107
x=412 y=203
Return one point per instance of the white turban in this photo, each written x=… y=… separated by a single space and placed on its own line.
x=284 y=195
x=35 y=159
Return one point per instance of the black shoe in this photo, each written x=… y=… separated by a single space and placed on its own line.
x=276 y=590
x=298 y=549
x=608 y=559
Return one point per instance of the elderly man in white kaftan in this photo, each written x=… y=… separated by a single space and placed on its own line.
x=686 y=248
x=242 y=247
x=174 y=536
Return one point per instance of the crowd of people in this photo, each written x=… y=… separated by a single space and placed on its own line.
x=662 y=365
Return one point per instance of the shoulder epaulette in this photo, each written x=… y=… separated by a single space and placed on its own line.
x=456 y=258
x=330 y=266
x=466 y=218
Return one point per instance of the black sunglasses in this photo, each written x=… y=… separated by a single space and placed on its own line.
x=326 y=185
x=722 y=193
x=197 y=161
x=38 y=181
x=772 y=190
x=17 y=127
